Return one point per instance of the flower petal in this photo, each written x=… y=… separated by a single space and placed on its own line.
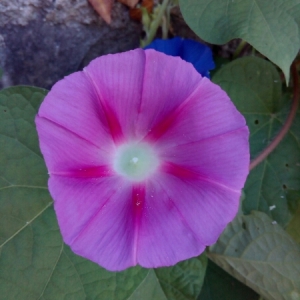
x=168 y=81
x=223 y=158
x=208 y=207
x=169 y=47
x=118 y=80
x=207 y=112
x=129 y=93
x=73 y=105
x=181 y=217
x=68 y=151
x=96 y=219
x=185 y=203
x=165 y=237
x=198 y=54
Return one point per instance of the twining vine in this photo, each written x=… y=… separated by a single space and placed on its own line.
x=284 y=130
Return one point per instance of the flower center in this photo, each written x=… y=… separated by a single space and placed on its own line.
x=135 y=161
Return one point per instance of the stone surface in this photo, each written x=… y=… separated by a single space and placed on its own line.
x=41 y=41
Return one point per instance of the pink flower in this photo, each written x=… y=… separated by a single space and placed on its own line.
x=146 y=158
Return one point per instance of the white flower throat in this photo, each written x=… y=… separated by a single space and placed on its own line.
x=136 y=162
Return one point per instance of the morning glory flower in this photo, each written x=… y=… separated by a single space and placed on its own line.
x=146 y=159
x=199 y=55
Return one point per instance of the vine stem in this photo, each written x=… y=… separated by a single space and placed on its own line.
x=239 y=49
x=284 y=130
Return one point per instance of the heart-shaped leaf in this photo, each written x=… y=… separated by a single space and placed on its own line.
x=293 y=227
x=260 y=254
x=271 y=27
x=218 y=284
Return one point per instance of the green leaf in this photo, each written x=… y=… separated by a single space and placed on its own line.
x=220 y=285
x=34 y=261
x=181 y=282
x=293 y=227
x=260 y=254
x=23 y=173
x=273 y=29
x=35 y=264
x=254 y=86
x=184 y=280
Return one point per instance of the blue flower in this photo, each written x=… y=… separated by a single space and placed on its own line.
x=194 y=52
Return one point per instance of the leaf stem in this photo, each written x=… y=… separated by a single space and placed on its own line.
x=239 y=49
x=155 y=24
x=284 y=130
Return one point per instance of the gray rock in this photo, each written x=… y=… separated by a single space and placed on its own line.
x=41 y=41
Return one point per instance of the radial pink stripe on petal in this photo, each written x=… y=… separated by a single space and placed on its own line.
x=69 y=151
x=165 y=236
x=168 y=82
x=113 y=123
x=181 y=217
x=179 y=171
x=118 y=80
x=138 y=203
x=87 y=172
x=223 y=158
x=199 y=117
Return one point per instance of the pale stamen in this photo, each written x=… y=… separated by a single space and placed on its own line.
x=135 y=160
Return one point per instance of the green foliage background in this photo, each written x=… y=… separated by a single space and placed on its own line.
x=260 y=247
